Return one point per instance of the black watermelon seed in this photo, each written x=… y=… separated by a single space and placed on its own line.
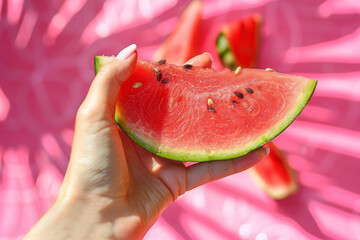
x=162 y=61
x=158 y=76
x=239 y=94
x=188 y=66
x=164 y=81
x=249 y=90
x=233 y=102
x=211 y=109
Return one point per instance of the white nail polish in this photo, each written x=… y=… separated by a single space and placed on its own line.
x=267 y=151
x=126 y=52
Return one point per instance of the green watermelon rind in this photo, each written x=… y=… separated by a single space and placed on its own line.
x=225 y=49
x=100 y=61
x=227 y=58
x=202 y=156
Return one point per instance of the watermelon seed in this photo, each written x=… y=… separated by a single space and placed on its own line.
x=239 y=94
x=210 y=102
x=155 y=70
x=164 y=81
x=162 y=61
x=158 y=76
x=238 y=69
x=249 y=90
x=187 y=66
x=233 y=102
x=269 y=70
x=211 y=109
x=137 y=84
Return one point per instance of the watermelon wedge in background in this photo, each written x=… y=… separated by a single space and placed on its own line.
x=182 y=43
x=238 y=45
x=238 y=42
x=274 y=174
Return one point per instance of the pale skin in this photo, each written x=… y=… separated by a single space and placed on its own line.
x=114 y=189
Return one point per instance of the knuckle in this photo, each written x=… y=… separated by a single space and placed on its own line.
x=105 y=69
x=112 y=71
x=83 y=112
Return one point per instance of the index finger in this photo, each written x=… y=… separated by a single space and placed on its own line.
x=203 y=60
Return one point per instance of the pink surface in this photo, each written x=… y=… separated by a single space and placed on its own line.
x=46 y=56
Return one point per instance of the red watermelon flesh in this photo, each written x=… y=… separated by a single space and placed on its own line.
x=195 y=114
x=242 y=38
x=182 y=43
x=274 y=174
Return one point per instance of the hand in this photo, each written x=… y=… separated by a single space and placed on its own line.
x=114 y=189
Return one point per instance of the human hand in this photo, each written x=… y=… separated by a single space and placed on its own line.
x=113 y=188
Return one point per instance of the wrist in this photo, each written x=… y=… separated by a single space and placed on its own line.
x=102 y=218
x=66 y=219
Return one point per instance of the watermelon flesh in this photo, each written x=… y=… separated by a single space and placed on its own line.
x=195 y=114
x=237 y=45
x=238 y=42
x=274 y=174
x=182 y=43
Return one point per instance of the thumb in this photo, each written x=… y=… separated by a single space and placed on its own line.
x=104 y=90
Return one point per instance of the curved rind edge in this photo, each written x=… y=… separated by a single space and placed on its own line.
x=202 y=156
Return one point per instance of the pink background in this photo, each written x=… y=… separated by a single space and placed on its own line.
x=46 y=66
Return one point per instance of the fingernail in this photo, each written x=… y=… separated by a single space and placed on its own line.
x=267 y=151
x=189 y=62
x=210 y=56
x=126 y=52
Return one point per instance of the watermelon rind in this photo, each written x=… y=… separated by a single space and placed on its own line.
x=275 y=175
x=226 y=56
x=217 y=154
x=238 y=42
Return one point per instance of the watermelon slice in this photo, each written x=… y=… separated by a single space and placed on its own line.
x=238 y=44
x=183 y=41
x=189 y=113
x=274 y=174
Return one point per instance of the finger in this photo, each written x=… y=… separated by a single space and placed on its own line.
x=204 y=60
x=104 y=90
x=205 y=172
x=155 y=163
x=171 y=173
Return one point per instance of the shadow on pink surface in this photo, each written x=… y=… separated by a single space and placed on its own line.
x=46 y=64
